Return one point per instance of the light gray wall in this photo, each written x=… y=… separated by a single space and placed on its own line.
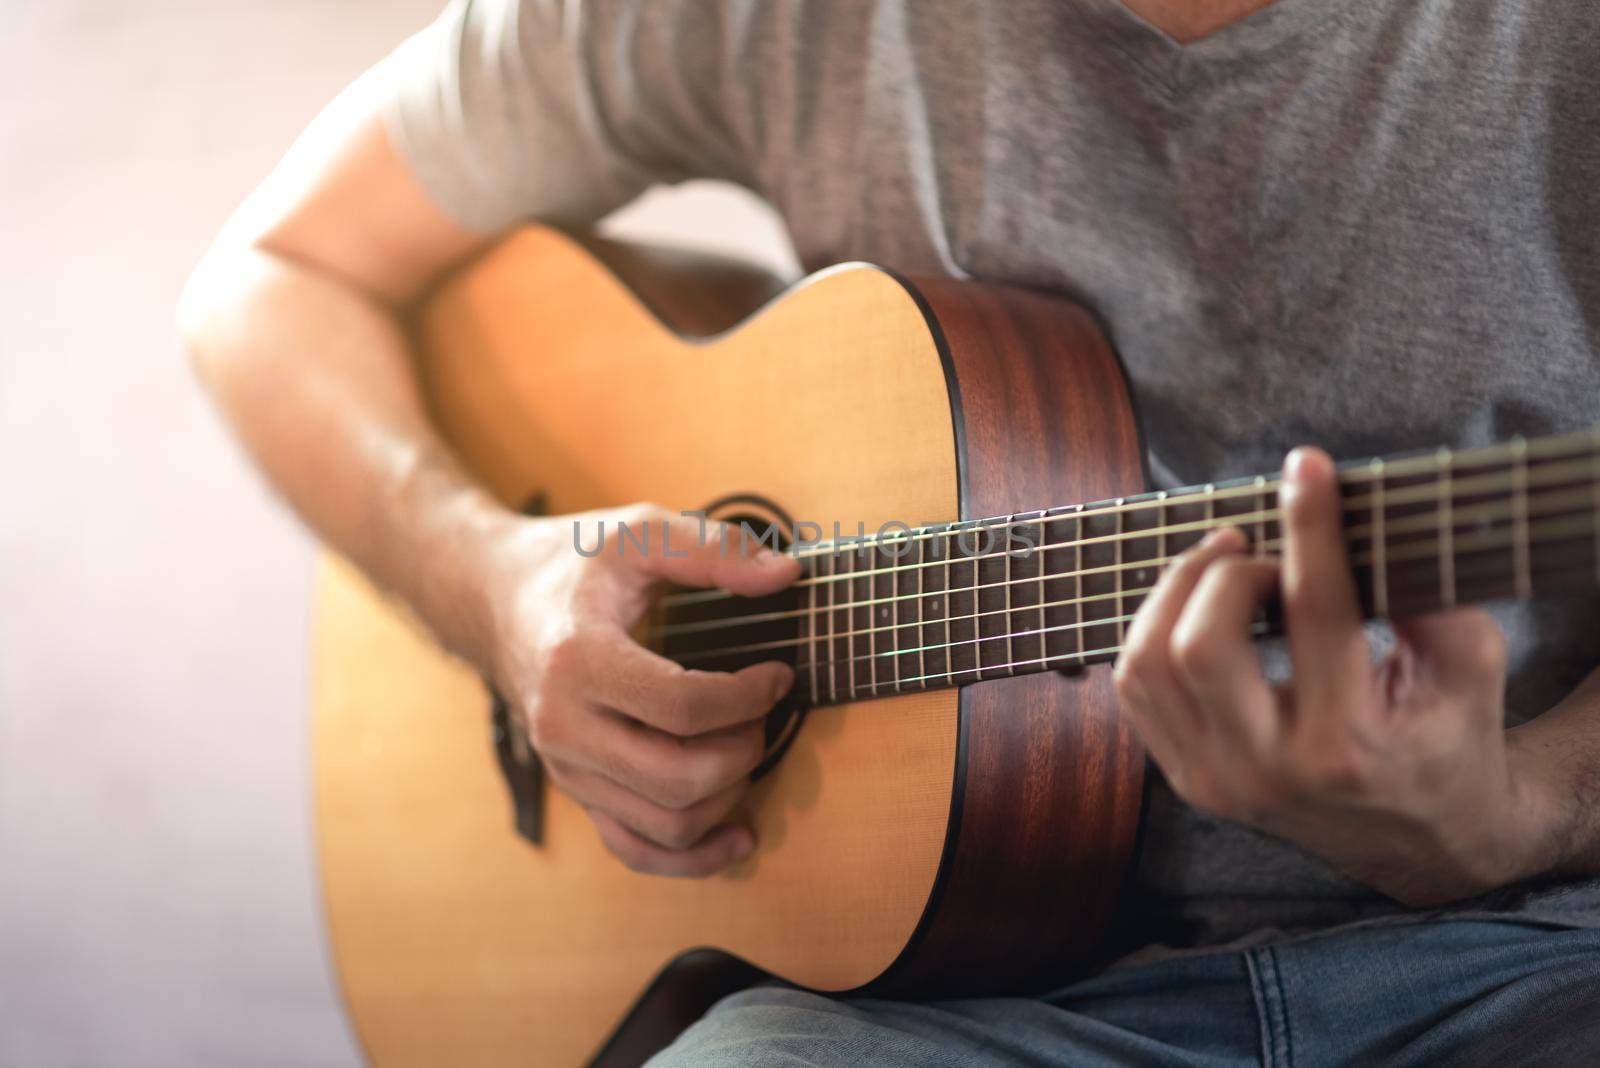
x=157 y=894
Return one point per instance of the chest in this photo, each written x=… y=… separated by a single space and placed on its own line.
x=1381 y=242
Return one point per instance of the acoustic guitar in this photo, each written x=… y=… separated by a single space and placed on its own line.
x=950 y=804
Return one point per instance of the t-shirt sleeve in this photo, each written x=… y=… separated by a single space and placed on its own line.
x=560 y=110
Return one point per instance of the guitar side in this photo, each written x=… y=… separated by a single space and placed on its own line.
x=909 y=844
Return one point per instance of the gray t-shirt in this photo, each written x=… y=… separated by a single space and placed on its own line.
x=1369 y=224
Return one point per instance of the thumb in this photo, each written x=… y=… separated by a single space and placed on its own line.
x=693 y=551
x=1462 y=650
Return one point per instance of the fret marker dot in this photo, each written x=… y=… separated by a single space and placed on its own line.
x=883 y=613
x=935 y=604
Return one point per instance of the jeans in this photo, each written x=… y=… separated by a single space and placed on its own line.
x=1451 y=992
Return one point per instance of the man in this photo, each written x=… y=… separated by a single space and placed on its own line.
x=1369 y=224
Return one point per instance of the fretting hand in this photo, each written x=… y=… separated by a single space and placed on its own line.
x=1398 y=773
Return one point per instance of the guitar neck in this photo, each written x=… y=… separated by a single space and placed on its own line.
x=1056 y=589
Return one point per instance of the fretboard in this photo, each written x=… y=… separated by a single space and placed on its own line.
x=1055 y=589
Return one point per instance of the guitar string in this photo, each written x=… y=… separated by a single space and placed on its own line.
x=1082 y=658
x=1545 y=449
x=1584 y=527
x=1258 y=628
x=1462 y=519
x=1548 y=530
x=1554 y=475
x=1419 y=523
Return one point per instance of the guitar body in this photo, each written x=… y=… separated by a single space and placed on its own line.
x=961 y=841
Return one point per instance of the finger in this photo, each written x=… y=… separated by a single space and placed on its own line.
x=695 y=552
x=1159 y=709
x=1322 y=616
x=1463 y=651
x=717 y=850
x=1214 y=654
x=668 y=770
x=1158 y=613
x=623 y=675
x=670 y=828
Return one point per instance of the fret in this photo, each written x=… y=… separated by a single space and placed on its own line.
x=948 y=549
x=1447 y=533
x=809 y=570
x=1025 y=562
x=1122 y=628
x=1265 y=499
x=825 y=571
x=1192 y=509
x=1161 y=528
x=1010 y=631
x=1077 y=585
x=1057 y=599
x=1038 y=554
x=1144 y=545
x=1522 y=570
x=1502 y=509
x=977 y=605
x=961 y=604
x=1032 y=564
x=1259 y=549
x=884 y=567
x=864 y=632
x=1415 y=569
x=1380 y=574
x=907 y=613
x=1100 y=579
x=887 y=607
x=995 y=599
x=1236 y=506
x=869 y=608
x=843 y=645
x=933 y=619
x=920 y=552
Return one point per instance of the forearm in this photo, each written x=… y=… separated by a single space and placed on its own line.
x=316 y=379
x=1556 y=763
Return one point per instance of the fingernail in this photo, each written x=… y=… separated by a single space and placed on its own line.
x=1294 y=465
x=1221 y=534
x=744 y=843
x=784 y=684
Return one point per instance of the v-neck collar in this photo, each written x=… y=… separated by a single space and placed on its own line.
x=1172 y=62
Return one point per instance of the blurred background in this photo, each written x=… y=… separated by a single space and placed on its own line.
x=158 y=897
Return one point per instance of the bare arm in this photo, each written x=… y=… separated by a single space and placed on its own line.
x=293 y=320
